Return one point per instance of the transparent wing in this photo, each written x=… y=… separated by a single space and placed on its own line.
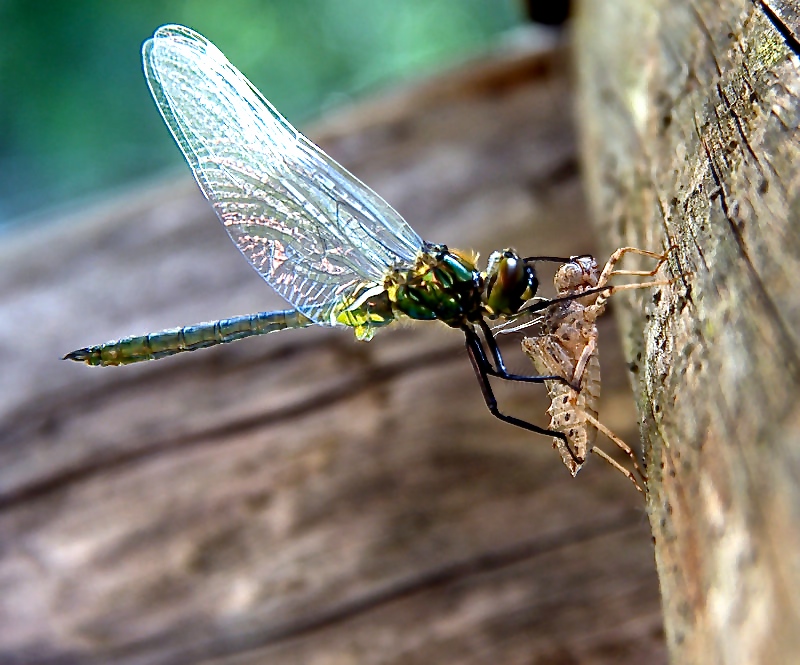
x=310 y=228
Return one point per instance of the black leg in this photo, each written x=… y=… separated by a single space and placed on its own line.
x=545 y=302
x=483 y=368
x=501 y=372
x=556 y=259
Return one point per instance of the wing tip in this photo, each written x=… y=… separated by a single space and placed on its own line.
x=177 y=32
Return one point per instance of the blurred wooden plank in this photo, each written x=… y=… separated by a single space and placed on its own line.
x=691 y=116
x=304 y=497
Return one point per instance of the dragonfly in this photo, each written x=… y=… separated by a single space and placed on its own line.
x=329 y=245
x=568 y=347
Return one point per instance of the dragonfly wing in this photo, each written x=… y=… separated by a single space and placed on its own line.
x=307 y=225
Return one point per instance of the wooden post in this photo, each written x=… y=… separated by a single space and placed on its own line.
x=690 y=114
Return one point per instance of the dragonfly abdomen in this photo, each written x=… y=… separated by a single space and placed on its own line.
x=188 y=338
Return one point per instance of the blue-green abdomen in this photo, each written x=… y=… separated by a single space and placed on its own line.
x=189 y=338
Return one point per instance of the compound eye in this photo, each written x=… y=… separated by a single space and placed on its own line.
x=513 y=283
x=510 y=271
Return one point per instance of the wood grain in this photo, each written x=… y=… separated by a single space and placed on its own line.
x=690 y=115
x=304 y=497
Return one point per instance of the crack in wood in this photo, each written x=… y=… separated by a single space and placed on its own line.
x=698 y=16
x=788 y=350
x=27 y=417
x=423 y=582
x=718 y=81
x=372 y=377
x=779 y=14
x=740 y=129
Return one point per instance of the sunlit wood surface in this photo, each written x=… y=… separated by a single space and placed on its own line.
x=305 y=498
x=691 y=113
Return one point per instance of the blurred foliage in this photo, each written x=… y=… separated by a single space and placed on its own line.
x=76 y=113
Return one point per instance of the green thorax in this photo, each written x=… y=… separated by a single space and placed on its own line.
x=442 y=285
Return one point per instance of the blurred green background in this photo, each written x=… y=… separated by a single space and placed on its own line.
x=77 y=117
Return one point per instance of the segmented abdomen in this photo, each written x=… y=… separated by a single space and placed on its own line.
x=558 y=353
x=189 y=338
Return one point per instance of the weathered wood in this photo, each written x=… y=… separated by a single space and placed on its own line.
x=690 y=112
x=304 y=497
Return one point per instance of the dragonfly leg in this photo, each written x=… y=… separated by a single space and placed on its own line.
x=603 y=288
x=483 y=368
x=500 y=370
x=556 y=259
x=544 y=303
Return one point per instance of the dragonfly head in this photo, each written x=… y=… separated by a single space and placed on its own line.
x=509 y=282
